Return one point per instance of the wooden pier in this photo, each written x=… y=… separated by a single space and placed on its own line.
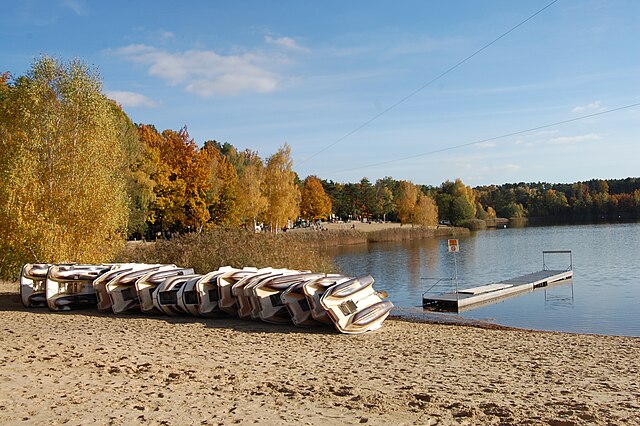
x=463 y=299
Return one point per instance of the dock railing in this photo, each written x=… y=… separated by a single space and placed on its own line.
x=545 y=252
x=441 y=285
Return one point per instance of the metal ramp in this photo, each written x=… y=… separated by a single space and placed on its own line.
x=458 y=299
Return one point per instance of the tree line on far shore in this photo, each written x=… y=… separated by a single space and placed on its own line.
x=590 y=201
x=78 y=178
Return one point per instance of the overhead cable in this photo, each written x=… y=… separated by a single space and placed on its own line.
x=520 y=132
x=427 y=84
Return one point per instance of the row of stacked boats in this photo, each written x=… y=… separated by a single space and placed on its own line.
x=272 y=295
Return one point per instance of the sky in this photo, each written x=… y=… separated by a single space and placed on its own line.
x=366 y=89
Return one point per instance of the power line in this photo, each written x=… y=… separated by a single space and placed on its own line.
x=427 y=84
x=532 y=129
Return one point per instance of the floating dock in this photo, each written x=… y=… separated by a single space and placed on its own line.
x=464 y=298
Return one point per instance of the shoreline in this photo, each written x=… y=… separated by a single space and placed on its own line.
x=83 y=367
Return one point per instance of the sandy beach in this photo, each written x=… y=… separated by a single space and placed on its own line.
x=84 y=367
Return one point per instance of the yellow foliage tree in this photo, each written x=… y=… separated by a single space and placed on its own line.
x=426 y=211
x=251 y=202
x=62 y=191
x=182 y=179
x=315 y=203
x=405 y=201
x=467 y=194
x=280 y=189
x=169 y=189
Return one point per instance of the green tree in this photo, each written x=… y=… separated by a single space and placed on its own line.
x=366 y=198
x=384 y=197
x=62 y=191
x=456 y=202
x=137 y=173
x=460 y=210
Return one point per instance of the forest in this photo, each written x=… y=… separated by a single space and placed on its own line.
x=79 y=178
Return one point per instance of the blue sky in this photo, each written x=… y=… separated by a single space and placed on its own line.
x=258 y=74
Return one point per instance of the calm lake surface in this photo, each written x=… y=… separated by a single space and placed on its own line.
x=602 y=298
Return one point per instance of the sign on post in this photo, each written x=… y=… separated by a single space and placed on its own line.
x=454 y=247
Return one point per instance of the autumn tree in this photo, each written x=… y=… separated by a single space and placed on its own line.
x=426 y=211
x=251 y=201
x=384 y=197
x=139 y=167
x=192 y=170
x=315 y=203
x=62 y=191
x=405 y=201
x=222 y=188
x=169 y=189
x=182 y=180
x=280 y=189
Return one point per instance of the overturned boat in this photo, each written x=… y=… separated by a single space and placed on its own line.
x=147 y=284
x=242 y=298
x=272 y=295
x=298 y=303
x=100 y=283
x=122 y=288
x=208 y=292
x=314 y=289
x=71 y=286
x=188 y=296
x=166 y=297
x=268 y=296
x=228 y=302
x=33 y=291
x=355 y=307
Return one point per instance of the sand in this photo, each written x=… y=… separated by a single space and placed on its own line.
x=84 y=367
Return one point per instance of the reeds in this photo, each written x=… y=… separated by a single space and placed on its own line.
x=413 y=233
x=302 y=250
x=233 y=247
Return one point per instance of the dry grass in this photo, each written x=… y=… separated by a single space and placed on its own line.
x=340 y=237
x=327 y=238
x=234 y=247
x=414 y=233
x=304 y=250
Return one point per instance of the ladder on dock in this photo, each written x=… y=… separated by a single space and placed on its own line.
x=458 y=299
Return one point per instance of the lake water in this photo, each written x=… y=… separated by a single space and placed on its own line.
x=602 y=298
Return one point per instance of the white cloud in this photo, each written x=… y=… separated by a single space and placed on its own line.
x=568 y=140
x=131 y=99
x=204 y=72
x=286 y=42
x=592 y=107
x=76 y=6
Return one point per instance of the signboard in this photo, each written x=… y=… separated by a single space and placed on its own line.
x=454 y=247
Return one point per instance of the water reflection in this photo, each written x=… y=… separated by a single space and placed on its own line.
x=602 y=298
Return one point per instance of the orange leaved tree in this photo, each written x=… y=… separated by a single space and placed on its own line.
x=315 y=203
